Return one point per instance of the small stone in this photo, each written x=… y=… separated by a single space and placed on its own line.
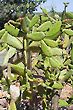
x=66 y=92
x=70 y=107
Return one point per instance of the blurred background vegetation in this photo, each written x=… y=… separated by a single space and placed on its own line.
x=13 y=9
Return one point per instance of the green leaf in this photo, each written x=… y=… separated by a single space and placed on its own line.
x=50 y=42
x=18 y=68
x=45 y=26
x=44 y=11
x=2 y=32
x=34 y=44
x=65 y=75
x=47 y=63
x=71 y=66
x=34 y=29
x=44 y=18
x=46 y=49
x=62 y=103
x=34 y=62
x=56 y=62
x=33 y=21
x=69 y=15
x=11 y=29
x=25 y=86
x=29 y=72
x=25 y=23
x=57 y=85
x=11 y=40
x=62 y=75
x=40 y=57
x=68 y=32
x=50 y=51
x=56 y=51
x=8 y=55
x=71 y=52
x=36 y=36
x=54 y=30
x=12 y=105
x=67 y=62
x=68 y=74
x=66 y=41
x=47 y=85
x=3 y=46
